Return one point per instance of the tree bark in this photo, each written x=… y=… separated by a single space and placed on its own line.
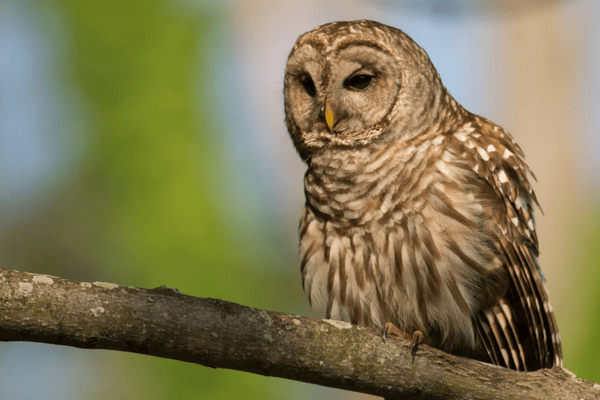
x=165 y=323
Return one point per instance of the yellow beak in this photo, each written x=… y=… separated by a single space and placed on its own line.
x=329 y=117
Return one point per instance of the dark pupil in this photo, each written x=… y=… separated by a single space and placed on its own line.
x=359 y=82
x=308 y=85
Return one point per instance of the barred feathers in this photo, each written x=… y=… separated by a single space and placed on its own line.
x=422 y=217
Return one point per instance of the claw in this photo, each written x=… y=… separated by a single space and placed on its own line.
x=417 y=340
x=390 y=329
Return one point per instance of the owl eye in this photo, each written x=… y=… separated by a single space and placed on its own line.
x=308 y=85
x=359 y=82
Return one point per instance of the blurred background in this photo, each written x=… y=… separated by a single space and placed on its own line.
x=143 y=143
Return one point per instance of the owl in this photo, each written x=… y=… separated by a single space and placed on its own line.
x=419 y=214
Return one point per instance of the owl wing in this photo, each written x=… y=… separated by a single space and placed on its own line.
x=520 y=331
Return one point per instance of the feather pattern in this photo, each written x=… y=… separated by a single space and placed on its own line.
x=417 y=212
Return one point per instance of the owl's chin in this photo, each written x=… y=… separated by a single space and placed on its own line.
x=317 y=139
x=348 y=137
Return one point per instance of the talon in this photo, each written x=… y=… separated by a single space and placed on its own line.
x=392 y=330
x=417 y=337
x=386 y=328
x=417 y=340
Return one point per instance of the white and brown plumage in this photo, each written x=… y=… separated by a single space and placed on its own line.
x=417 y=212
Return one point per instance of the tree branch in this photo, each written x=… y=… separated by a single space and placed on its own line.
x=165 y=323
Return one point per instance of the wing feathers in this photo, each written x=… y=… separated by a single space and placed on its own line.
x=520 y=331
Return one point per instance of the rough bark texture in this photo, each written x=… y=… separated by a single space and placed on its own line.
x=215 y=333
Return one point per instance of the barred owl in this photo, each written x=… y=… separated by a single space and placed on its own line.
x=418 y=213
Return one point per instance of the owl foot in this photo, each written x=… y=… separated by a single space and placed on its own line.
x=417 y=337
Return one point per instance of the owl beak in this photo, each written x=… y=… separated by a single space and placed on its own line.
x=329 y=117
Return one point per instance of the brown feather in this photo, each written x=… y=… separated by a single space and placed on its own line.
x=418 y=212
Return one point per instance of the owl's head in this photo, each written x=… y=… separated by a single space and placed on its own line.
x=353 y=83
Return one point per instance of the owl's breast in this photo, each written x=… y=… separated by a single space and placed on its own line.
x=394 y=239
x=369 y=185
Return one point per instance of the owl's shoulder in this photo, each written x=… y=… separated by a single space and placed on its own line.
x=495 y=158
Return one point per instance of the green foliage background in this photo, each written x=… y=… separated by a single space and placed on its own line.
x=143 y=206
x=143 y=201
